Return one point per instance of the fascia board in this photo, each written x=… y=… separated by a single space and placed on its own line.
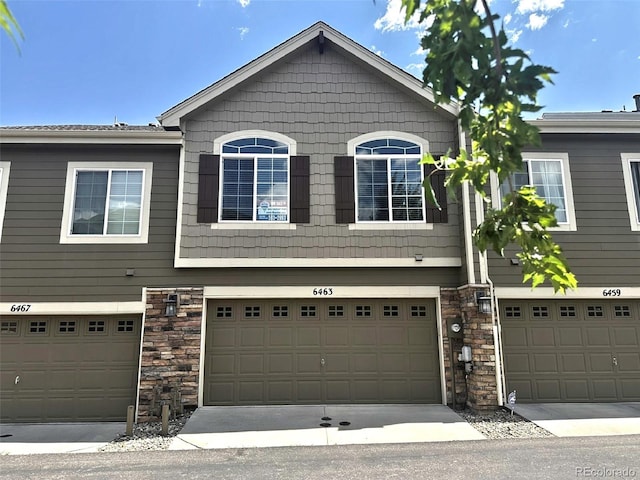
x=587 y=126
x=172 y=116
x=90 y=137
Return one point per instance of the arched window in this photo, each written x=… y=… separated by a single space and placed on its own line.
x=255 y=180
x=389 y=181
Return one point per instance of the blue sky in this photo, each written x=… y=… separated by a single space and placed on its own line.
x=88 y=61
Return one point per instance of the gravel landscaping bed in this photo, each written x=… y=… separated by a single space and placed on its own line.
x=147 y=436
x=498 y=424
x=503 y=424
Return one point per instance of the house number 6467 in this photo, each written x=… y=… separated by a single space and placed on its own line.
x=20 y=307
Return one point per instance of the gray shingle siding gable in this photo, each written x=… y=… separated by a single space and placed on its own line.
x=604 y=250
x=321 y=101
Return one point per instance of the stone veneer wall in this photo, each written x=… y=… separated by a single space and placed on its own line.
x=170 y=363
x=481 y=387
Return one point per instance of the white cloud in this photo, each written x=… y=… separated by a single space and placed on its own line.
x=514 y=35
x=243 y=31
x=393 y=18
x=528 y=6
x=377 y=51
x=415 y=69
x=420 y=52
x=244 y=3
x=537 y=21
x=507 y=19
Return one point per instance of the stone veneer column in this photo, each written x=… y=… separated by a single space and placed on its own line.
x=478 y=334
x=170 y=363
x=450 y=309
x=481 y=386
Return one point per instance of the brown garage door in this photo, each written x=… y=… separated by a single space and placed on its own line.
x=582 y=351
x=68 y=368
x=321 y=351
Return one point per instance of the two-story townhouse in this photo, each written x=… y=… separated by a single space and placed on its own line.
x=269 y=243
x=585 y=346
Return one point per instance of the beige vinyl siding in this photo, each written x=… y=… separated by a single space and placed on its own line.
x=321 y=101
x=604 y=250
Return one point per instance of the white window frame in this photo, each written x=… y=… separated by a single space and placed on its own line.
x=5 y=168
x=69 y=201
x=253 y=224
x=632 y=195
x=386 y=224
x=570 y=225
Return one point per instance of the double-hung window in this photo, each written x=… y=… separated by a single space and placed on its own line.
x=631 y=173
x=107 y=203
x=549 y=174
x=389 y=181
x=255 y=181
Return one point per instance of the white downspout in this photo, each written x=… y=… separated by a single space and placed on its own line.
x=466 y=214
x=495 y=312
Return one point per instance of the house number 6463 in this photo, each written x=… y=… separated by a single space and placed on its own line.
x=325 y=292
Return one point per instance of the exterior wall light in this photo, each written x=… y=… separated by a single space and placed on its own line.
x=484 y=302
x=171 y=305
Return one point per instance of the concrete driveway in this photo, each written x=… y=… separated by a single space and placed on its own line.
x=28 y=438
x=584 y=419
x=270 y=426
x=307 y=425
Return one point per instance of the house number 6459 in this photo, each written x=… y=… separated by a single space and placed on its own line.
x=326 y=292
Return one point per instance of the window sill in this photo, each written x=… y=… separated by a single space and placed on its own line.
x=101 y=239
x=253 y=226
x=390 y=226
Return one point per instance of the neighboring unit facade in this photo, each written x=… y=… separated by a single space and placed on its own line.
x=270 y=243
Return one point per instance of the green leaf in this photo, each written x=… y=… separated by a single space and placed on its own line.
x=9 y=24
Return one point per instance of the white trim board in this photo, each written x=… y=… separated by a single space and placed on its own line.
x=426 y=262
x=525 y=293
x=71 y=308
x=261 y=291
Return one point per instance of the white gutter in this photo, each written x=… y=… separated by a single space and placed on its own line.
x=600 y=125
x=110 y=137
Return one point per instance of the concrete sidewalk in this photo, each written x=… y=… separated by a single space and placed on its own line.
x=309 y=425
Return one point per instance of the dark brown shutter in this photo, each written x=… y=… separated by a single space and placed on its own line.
x=345 y=194
x=208 y=185
x=299 y=189
x=437 y=182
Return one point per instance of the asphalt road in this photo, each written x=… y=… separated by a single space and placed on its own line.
x=540 y=458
